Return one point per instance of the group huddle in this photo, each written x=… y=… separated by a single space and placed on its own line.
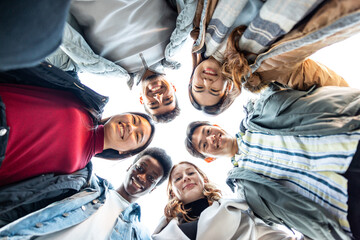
x=296 y=156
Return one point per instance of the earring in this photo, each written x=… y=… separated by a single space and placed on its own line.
x=141 y=100
x=209 y=159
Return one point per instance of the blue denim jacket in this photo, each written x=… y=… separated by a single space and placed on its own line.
x=74 y=210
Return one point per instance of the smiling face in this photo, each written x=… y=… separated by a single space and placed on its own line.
x=126 y=132
x=187 y=183
x=213 y=141
x=208 y=84
x=141 y=178
x=158 y=95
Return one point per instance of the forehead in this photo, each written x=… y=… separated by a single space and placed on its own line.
x=182 y=167
x=151 y=164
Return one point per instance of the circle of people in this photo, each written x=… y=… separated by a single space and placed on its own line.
x=296 y=155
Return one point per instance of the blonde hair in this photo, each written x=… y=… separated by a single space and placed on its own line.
x=175 y=207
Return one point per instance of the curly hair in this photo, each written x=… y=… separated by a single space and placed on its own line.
x=236 y=67
x=175 y=207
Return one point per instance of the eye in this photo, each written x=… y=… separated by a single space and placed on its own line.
x=205 y=145
x=139 y=168
x=134 y=119
x=215 y=91
x=208 y=131
x=151 y=179
x=191 y=173
x=137 y=137
x=177 y=179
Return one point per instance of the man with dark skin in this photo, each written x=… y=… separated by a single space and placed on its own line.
x=96 y=204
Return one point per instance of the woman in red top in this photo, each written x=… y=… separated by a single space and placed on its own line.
x=52 y=131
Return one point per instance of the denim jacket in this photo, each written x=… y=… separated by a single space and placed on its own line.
x=280 y=110
x=74 y=210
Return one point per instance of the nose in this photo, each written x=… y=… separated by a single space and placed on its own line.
x=210 y=139
x=207 y=82
x=130 y=128
x=141 y=177
x=159 y=97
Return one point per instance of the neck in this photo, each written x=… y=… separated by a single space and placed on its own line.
x=125 y=195
x=235 y=148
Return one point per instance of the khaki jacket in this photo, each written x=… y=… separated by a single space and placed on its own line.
x=333 y=21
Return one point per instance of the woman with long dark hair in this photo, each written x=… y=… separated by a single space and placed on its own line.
x=271 y=44
x=51 y=123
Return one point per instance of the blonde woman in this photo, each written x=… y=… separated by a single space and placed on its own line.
x=195 y=210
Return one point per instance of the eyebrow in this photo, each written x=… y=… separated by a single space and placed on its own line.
x=155 y=107
x=214 y=94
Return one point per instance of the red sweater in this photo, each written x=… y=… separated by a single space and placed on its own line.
x=50 y=132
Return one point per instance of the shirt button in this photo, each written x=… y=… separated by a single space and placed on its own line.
x=65 y=214
x=95 y=201
x=3 y=132
x=83 y=208
x=49 y=66
x=39 y=225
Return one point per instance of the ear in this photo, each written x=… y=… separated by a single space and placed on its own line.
x=173 y=87
x=141 y=100
x=209 y=159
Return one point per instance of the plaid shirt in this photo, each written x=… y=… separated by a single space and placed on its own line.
x=310 y=165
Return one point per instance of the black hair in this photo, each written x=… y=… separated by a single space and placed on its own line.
x=114 y=154
x=162 y=157
x=188 y=140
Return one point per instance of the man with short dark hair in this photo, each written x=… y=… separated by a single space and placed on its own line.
x=158 y=97
x=95 y=211
x=306 y=141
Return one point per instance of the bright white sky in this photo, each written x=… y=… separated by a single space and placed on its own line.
x=341 y=57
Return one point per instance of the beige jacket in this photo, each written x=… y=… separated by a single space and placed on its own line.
x=227 y=219
x=326 y=26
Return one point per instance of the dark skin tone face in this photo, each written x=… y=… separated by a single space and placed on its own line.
x=141 y=178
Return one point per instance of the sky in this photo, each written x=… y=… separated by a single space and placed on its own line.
x=340 y=57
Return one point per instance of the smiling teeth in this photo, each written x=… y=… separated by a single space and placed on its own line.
x=155 y=89
x=121 y=131
x=136 y=183
x=210 y=72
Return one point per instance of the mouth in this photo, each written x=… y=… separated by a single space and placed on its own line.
x=155 y=87
x=121 y=128
x=219 y=140
x=209 y=71
x=190 y=185
x=137 y=184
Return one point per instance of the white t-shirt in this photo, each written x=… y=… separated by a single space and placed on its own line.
x=99 y=225
x=120 y=30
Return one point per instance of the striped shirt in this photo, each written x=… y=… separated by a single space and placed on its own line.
x=310 y=165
